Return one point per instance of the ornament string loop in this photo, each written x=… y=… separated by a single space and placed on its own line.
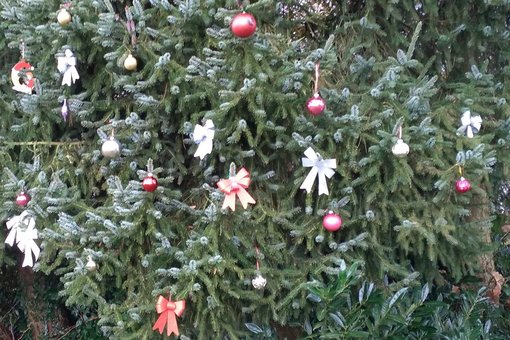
x=399 y=132
x=460 y=169
x=316 y=87
x=168 y=309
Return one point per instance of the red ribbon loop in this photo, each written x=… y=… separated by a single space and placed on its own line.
x=168 y=310
x=236 y=186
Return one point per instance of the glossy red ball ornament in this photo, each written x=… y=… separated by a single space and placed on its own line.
x=22 y=199
x=332 y=221
x=243 y=25
x=316 y=105
x=462 y=185
x=149 y=183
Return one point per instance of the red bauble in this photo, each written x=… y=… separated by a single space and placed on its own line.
x=243 y=25
x=22 y=199
x=316 y=105
x=149 y=183
x=462 y=185
x=332 y=221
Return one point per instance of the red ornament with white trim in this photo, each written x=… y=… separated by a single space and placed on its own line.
x=22 y=199
x=150 y=183
x=331 y=221
x=462 y=185
x=243 y=25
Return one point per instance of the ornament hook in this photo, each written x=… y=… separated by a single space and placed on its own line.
x=460 y=170
x=316 y=88
x=399 y=132
x=232 y=170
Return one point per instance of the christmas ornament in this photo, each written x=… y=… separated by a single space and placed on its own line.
x=63 y=17
x=90 y=265
x=400 y=149
x=316 y=105
x=470 y=124
x=150 y=183
x=243 y=25
x=67 y=66
x=259 y=282
x=332 y=221
x=168 y=310
x=23 y=232
x=21 y=74
x=203 y=136
x=236 y=185
x=130 y=63
x=64 y=111
x=462 y=185
x=111 y=148
x=321 y=168
x=22 y=199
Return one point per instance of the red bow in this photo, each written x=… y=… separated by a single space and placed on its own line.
x=235 y=186
x=168 y=311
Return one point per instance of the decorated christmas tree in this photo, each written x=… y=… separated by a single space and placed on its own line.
x=192 y=167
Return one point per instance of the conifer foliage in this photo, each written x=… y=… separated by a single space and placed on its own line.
x=150 y=71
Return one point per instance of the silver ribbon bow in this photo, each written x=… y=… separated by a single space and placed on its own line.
x=203 y=136
x=67 y=66
x=321 y=168
x=470 y=124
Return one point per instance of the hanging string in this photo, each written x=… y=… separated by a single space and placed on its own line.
x=316 y=89
x=240 y=4
x=257 y=258
x=460 y=170
x=22 y=48
x=400 y=132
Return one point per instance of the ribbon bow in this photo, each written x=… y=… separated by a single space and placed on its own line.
x=168 y=310
x=28 y=246
x=24 y=219
x=470 y=125
x=203 y=136
x=233 y=186
x=24 y=238
x=320 y=167
x=67 y=66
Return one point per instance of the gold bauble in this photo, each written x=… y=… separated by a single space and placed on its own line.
x=130 y=63
x=63 y=17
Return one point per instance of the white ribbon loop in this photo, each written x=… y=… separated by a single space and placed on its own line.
x=67 y=66
x=203 y=136
x=28 y=246
x=320 y=167
x=16 y=224
x=470 y=124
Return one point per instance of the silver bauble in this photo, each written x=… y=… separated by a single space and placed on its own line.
x=130 y=63
x=400 y=149
x=91 y=265
x=259 y=282
x=111 y=148
x=63 y=17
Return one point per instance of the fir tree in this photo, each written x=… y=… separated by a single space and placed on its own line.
x=382 y=67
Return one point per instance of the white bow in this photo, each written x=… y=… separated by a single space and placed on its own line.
x=320 y=167
x=67 y=66
x=23 y=220
x=470 y=125
x=28 y=246
x=23 y=231
x=203 y=136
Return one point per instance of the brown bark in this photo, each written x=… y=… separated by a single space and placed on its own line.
x=32 y=305
x=491 y=278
